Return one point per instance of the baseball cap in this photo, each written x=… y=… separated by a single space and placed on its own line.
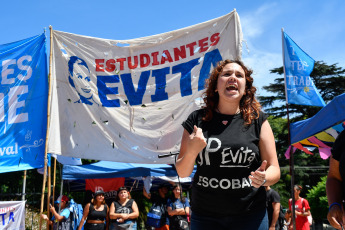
x=122 y=188
x=61 y=198
x=98 y=192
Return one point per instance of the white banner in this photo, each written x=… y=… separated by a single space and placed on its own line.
x=125 y=100
x=12 y=215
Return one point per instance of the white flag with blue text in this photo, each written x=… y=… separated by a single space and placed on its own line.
x=125 y=100
x=12 y=215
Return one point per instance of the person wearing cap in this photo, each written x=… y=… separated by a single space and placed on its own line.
x=160 y=199
x=60 y=220
x=124 y=211
x=96 y=213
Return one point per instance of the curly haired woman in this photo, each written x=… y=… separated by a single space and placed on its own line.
x=233 y=146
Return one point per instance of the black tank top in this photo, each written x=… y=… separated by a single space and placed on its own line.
x=127 y=208
x=97 y=215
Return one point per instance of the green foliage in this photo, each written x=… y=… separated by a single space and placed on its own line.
x=280 y=131
x=318 y=200
x=143 y=205
x=328 y=79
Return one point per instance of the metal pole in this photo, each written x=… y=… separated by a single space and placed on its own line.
x=292 y=169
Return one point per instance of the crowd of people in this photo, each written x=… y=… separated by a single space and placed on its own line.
x=123 y=212
x=233 y=146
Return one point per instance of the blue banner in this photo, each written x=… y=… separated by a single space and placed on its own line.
x=300 y=88
x=23 y=104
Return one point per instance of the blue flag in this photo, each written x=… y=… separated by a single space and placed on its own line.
x=23 y=104
x=300 y=88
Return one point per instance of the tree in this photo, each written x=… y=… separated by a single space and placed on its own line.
x=318 y=200
x=328 y=79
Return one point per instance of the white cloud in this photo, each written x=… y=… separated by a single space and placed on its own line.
x=255 y=23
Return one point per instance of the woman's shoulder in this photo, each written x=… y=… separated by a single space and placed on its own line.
x=194 y=118
x=261 y=117
x=198 y=113
x=131 y=201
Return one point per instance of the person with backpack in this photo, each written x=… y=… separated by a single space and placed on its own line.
x=273 y=208
x=302 y=210
x=96 y=213
x=76 y=213
x=60 y=220
x=159 y=202
x=178 y=210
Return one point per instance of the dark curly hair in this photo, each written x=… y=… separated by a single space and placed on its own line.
x=249 y=105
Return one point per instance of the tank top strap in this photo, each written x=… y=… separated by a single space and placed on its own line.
x=91 y=208
x=130 y=203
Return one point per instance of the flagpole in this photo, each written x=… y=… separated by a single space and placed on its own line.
x=47 y=133
x=54 y=180
x=48 y=194
x=292 y=168
x=24 y=186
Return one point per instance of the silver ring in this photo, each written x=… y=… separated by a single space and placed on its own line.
x=263 y=182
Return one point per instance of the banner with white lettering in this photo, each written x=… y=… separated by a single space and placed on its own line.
x=125 y=100
x=23 y=104
x=12 y=215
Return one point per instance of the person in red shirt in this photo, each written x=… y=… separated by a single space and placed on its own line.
x=302 y=210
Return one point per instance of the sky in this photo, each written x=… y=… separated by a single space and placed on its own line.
x=316 y=26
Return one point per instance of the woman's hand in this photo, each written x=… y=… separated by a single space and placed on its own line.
x=124 y=216
x=191 y=145
x=120 y=220
x=258 y=178
x=335 y=216
x=196 y=140
x=44 y=216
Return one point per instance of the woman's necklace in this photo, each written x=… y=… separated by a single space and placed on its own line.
x=98 y=207
x=225 y=122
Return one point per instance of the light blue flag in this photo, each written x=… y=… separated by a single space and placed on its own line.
x=300 y=88
x=23 y=104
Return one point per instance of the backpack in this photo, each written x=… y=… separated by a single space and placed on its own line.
x=155 y=217
x=179 y=222
x=76 y=214
x=281 y=217
x=310 y=218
